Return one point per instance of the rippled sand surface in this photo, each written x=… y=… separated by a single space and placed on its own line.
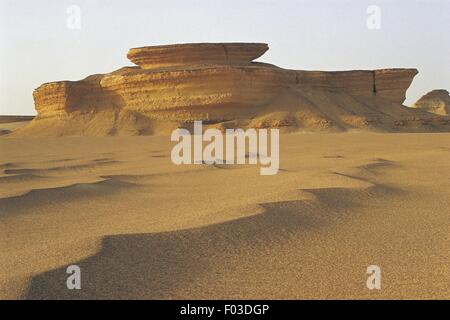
x=140 y=227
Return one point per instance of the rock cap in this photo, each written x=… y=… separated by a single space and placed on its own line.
x=177 y=55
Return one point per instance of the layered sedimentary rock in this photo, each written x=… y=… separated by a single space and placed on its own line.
x=221 y=85
x=59 y=98
x=436 y=101
x=387 y=83
x=196 y=54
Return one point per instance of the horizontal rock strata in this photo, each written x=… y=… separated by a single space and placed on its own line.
x=221 y=85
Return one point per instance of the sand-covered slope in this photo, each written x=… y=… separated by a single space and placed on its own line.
x=220 y=84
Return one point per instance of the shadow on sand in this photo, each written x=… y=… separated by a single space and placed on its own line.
x=154 y=265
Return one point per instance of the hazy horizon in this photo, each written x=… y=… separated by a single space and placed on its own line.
x=37 y=46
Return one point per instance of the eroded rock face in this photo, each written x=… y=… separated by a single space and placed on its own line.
x=390 y=84
x=221 y=85
x=196 y=54
x=436 y=101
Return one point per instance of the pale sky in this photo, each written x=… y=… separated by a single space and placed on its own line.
x=36 y=46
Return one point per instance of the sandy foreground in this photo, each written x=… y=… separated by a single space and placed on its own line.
x=141 y=227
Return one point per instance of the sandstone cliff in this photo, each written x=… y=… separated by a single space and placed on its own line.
x=221 y=85
x=436 y=101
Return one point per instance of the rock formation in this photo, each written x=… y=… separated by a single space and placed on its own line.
x=220 y=84
x=436 y=101
x=157 y=57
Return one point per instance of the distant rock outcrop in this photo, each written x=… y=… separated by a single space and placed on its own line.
x=220 y=84
x=436 y=101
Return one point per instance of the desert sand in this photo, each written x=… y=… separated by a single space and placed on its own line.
x=8 y=124
x=90 y=181
x=140 y=227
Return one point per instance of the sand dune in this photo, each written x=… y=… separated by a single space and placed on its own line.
x=140 y=227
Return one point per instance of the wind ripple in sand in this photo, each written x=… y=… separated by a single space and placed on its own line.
x=19 y=181
x=93 y=164
x=19 y=177
x=67 y=193
x=166 y=265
